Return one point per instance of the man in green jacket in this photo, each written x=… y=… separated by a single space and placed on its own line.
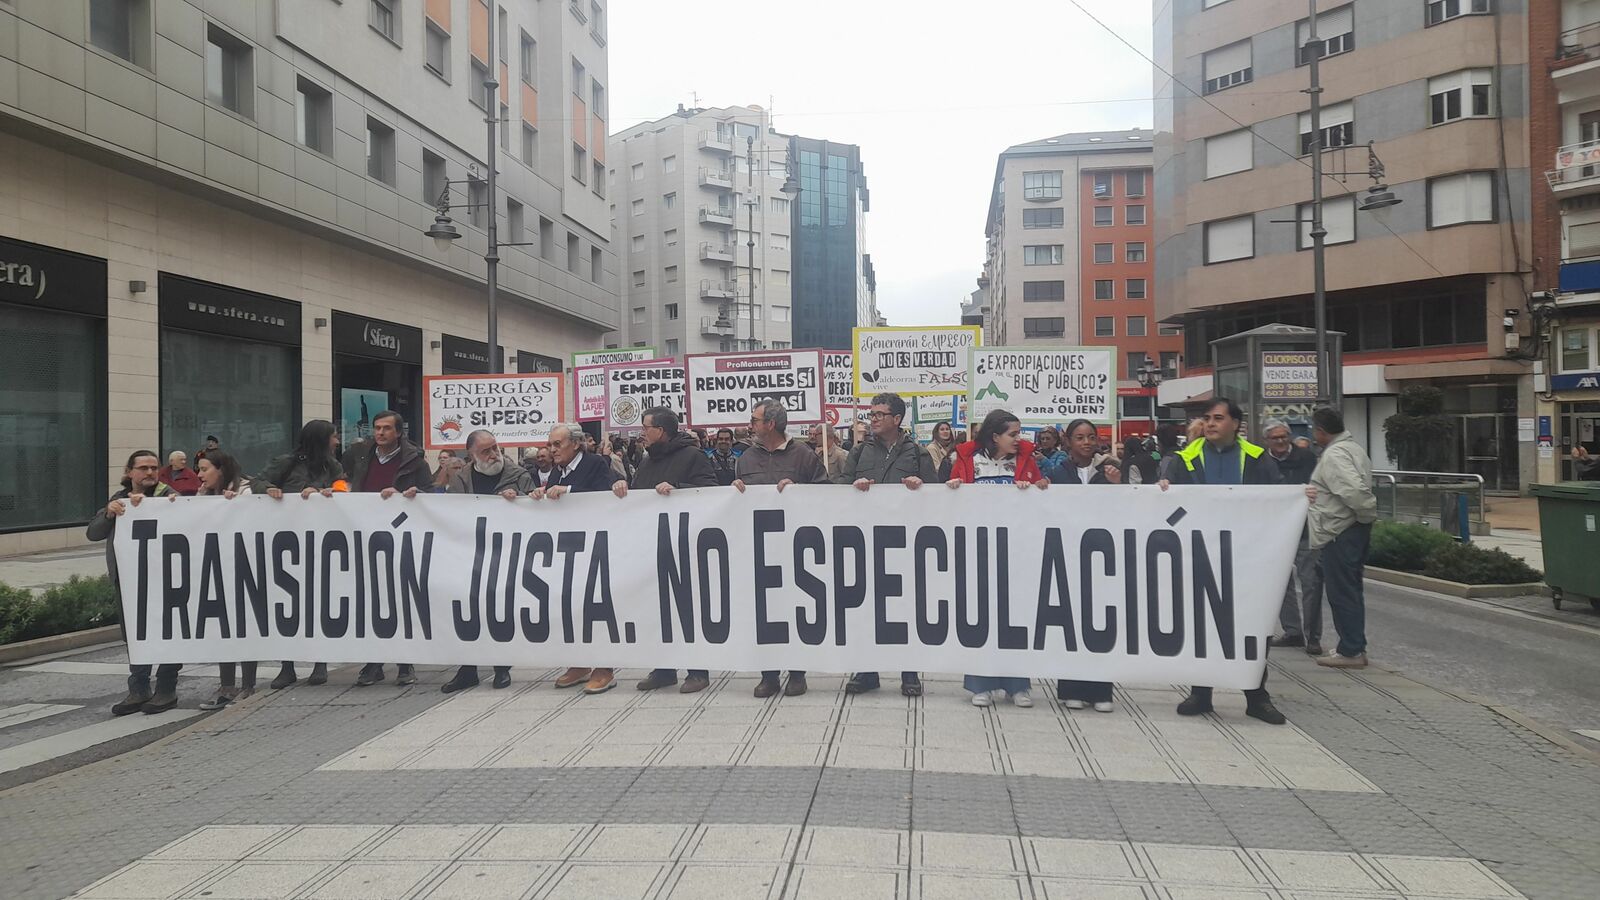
x=1343 y=508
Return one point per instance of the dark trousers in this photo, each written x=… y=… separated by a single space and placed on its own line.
x=1087 y=691
x=772 y=674
x=473 y=670
x=870 y=679
x=227 y=672
x=166 y=674
x=691 y=673
x=1251 y=696
x=1344 y=560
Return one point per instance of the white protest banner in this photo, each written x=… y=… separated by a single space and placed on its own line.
x=721 y=387
x=519 y=410
x=611 y=357
x=632 y=388
x=930 y=410
x=1044 y=386
x=1128 y=584
x=913 y=361
x=589 y=384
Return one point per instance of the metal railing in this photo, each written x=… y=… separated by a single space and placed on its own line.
x=723 y=252
x=1405 y=496
x=1579 y=42
x=1575 y=163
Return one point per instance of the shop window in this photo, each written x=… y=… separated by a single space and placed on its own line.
x=53 y=455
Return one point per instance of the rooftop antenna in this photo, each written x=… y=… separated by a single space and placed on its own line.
x=695 y=95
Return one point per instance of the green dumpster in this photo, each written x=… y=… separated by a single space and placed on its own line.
x=1569 y=532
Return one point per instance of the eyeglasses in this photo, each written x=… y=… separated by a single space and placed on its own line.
x=880 y=414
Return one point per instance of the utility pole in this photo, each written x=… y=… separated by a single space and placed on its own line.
x=1319 y=297
x=750 y=235
x=491 y=87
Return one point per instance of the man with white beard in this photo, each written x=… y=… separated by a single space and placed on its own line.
x=489 y=473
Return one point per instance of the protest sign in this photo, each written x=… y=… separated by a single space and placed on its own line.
x=632 y=388
x=612 y=356
x=841 y=407
x=1128 y=584
x=913 y=361
x=931 y=410
x=590 y=387
x=721 y=388
x=519 y=410
x=1044 y=386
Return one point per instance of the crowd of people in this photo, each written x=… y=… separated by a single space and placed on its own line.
x=665 y=456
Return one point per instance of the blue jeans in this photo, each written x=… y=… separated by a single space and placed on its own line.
x=980 y=683
x=1344 y=560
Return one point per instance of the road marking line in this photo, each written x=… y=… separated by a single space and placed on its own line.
x=29 y=712
x=71 y=667
x=56 y=745
x=1592 y=734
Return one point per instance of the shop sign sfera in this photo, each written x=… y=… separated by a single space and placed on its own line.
x=22 y=275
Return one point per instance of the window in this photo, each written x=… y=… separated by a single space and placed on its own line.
x=780 y=243
x=1105 y=289
x=1335 y=29
x=1104 y=185
x=313 y=116
x=1137 y=326
x=1338 y=219
x=577 y=78
x=671 y=310
x=1169 y=331
x=638 y=243
x=638 y=315
x=599 y=180
x=668 y=201
x=477 y=203
x=1043 y=291
x=1105 y=326
x=1227 y=67
x=1338 y=128
x=1134 y=252
x=780 y=313
x=672 y=347
x=1105 y=253
x=1133 y=184
x=1583 y=241
x=1133 y=215
x=1132 y=362
x=1169 y=358
x=1456 y=199
x=669 y=237
x=547 y=239
x=597 y=267
x=1134 y=289
x=574 y=249
x=1229 y=153
x=228 y=71
x=780 y=206
x=1442 y=10
x=380 y=151
x=780 y=277
x=1230 y=239
x=438 y=50
x=380 y=15
x=514 y=220
x=638 y=207
x=433 y=177
x=121 y=28
x=1468 y=93
x=1575 y=350
x=580 y=164
x=529 y=60
x=1105 y=215
x=1041 y=185
x=636 y=172
x=504 y=127
x=1048 y=327
x=669 y=165
x=672 y=274
x=1049 y=217
x=638 y=278
x=1041 y=255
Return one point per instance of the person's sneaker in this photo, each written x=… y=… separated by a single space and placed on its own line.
x=165 y=698
x=572 y=677
x=1022 y=699
x=1314 y=648
x=1077 y=704
x=766 y=687
x=1266 y=712
x=223 y=700
x=371 y=674
x=796 y=685
x=659 y=678
x=1286 y=641
x=502 y=677
x=1335 y=661
x=319 y=674
x=405 y=675
x=136 y=699
x=982 y=698
x=694 y=684
x=600 y=681
x=465 y=677
x=1194 y=705
x=286 y=677
x=1103 y=706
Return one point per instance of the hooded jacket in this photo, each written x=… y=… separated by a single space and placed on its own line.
x=963 y=467
x=677 y=461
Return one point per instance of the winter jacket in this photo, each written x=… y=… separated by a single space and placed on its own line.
x=879 y=464
x=1258 y=465
x=512 y=477
x=676 y=461
x=185 y=481
x=413 y=471
x=1069 y=473
x=102 y=526
x=592 y=473
x=964 y=469
x=1143 y=463
x=1052 y=464
x=1343 y=479
x=726 y=468
x=939 y=453
x=795 y=461
x=289 y=473
x=1297 y=466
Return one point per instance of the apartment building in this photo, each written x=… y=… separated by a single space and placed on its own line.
x=212 y=215
x=834 y=286
x=1421 y=291
x=1069 y=256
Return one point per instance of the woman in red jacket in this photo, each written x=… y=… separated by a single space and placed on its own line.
x=997 y=455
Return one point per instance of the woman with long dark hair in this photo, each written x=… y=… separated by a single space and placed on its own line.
x=997 y=455
x=942 y=445
x=220 y=477
x=312 y=468
x=1083 y=442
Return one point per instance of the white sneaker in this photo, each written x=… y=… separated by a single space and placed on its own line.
x=982 y=698
x=1103 y=706
x=1022 y=699
x=1076 y=704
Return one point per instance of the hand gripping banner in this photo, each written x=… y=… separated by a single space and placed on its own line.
x=1101 y=583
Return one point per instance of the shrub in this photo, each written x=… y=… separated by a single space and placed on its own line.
x=1471 y=564
x=79 y=604
x=1404 y=546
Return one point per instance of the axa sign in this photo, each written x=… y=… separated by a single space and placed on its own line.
x=1576 y=381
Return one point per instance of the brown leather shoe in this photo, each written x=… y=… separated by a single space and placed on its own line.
x=600 y=681
x=694 y=684
x=766 y=688
x=572 y=677
x=796 y=685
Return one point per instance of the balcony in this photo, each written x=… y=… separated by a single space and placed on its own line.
x=1582 y=42
x=1577 y=169
x=716 y=252
x=716 y=141
x=717 y=290
x=716 y=178
x=716 y=326
x=1580 y=277
x=716 y=215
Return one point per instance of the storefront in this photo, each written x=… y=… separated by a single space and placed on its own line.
x=464 y=356
x=377 y=365
x=1576 y=388
x=538 y=363
x=1487 y=442
x=53 y=379
x=230 y=368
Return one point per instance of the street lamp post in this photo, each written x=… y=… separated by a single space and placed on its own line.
x=1150 y=378
x=750 y=236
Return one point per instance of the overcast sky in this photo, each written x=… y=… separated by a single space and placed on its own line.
x=932 y=91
